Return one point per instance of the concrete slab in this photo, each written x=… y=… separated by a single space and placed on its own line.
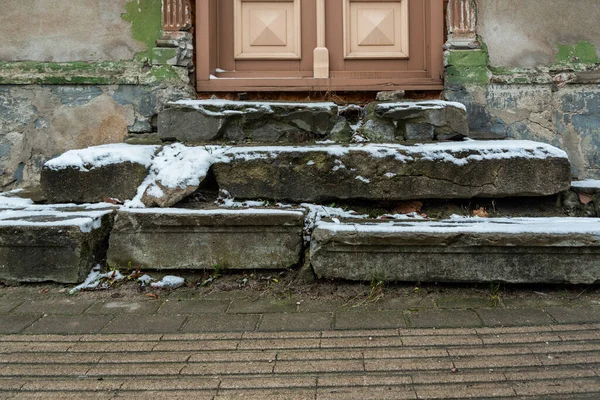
x=517 y=250
x=394 y=172
x=52 y=245
x=203 y=239
x=96 y=173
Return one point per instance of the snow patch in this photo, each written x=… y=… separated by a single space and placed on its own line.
x=315 y=213
x=587 y=184
x=168 y=282
x=86 y=221
x=95 y=278
x=459 y=224
x=100 y=156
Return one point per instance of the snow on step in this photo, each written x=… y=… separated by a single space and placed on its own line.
x=164 y=176
x=200 y=121
x=394 y=172
x=517 y=250
x=42 y=243
x=202 y=239
x=96 y=173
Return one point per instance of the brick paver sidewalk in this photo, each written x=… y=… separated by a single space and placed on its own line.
x=229 y=346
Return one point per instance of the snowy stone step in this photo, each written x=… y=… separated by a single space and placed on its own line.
x=96 y=173
x=201 y=121
x=202 y=239
x=39 y=243
x=517 y=250
x=154 y=176
x=218 y=121
x=394 y=172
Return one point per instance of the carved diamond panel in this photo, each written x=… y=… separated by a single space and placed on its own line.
x=267 y=29
x=376 y=29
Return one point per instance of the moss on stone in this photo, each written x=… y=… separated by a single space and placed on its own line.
x=469 y=58
x=100 y=73
x=582 y=53
x=146 y=23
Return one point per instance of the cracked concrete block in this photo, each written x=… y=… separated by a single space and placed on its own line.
x=515 y=250
x=394 y=172
x=201 y=239
x=59 y=246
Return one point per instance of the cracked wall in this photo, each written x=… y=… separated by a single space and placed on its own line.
x=535 y=75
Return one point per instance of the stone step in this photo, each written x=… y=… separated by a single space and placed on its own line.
x=39 y=244
x=514 y=250
x=94 y=174
x=323 y=173
x=204 y=239
x=219 y=121
x=458 y=170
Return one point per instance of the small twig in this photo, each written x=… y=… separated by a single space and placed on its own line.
x=579 y=295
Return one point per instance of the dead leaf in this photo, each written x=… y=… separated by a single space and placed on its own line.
x=481 y=212
x=112 y=201
x=44 y=290
x=407 y=207
x=153 y=295
x=585 y=198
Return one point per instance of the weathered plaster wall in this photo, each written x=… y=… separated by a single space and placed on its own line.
x=536 y=76
x=38 y=122
x=68 y=30
x=525 y=33
x=78 y=73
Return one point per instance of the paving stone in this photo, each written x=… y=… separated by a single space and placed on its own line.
x=145 y=324
x=313 y=366
x=7 y=305
x=462 y=302
x=111 y=307
x=262 y=306
x=296 y=322
x=443 y=319
x=399 y=303
x=392 y=172
x=580 y=315
x=221 y=323
x=321 y=305
x=84 y=176
x=202 y=239
x=220 y=121
x=534 y=302
x=365 y=393
x=193 y=307
x=70 y=306
x=369 y=319
x=58 y=246
x=516 y=250
x=15 y=323
x=507 y=317
x=70 y=324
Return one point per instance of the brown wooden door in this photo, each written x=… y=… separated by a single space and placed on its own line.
x=252 y=45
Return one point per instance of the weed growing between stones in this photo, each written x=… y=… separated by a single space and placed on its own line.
x=495 y=296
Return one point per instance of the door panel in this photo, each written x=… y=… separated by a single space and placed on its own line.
x=269 y=44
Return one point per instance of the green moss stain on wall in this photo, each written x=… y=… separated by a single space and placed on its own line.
x=467 y=67
x=103 y=73
x=582 y=53
x=146 y=23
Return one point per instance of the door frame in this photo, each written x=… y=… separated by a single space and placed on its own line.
x=206 y=62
